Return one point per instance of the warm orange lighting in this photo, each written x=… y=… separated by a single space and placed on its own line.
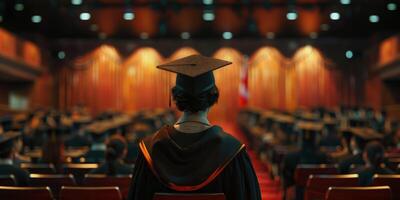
x=309 y=20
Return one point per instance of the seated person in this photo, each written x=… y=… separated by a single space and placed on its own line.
x=139 y=131
x=98 y=148
x=114 y=164
x=193 y=156
x=373 y=156
x=360 y=137
x=7 y=166
x=309 y=153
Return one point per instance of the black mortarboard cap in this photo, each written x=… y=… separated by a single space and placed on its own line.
x=194 y=73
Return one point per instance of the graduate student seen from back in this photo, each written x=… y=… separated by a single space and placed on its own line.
x=193 y=156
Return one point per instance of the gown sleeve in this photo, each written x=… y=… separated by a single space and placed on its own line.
x=240 y=180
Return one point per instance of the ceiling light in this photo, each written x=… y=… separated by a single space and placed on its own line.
x=76 y=2
x=144 y=36
x=345 y=2
x=129 y=16
x=325 y=27
x=208 y=16
x=185 y=35
x=334 y=16
x=392 y=6
x=84 y=16
x=19 y=7
x=374 y=18
x=227 y=35
x=349 y=54
x=61 y=55
x=207 y=2
x=291 y=15
x=36 y=19
x=313 y=35
x=270 y=35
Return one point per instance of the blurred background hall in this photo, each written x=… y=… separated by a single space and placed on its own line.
x=314 y=89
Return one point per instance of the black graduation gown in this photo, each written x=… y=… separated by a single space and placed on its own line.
x=366 y=174
x=355 y=160
x=21 y=176
x=207 y=162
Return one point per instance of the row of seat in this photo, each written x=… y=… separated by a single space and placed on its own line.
x=56 y=181
x=317 y=179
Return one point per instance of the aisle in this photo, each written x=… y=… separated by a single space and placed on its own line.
x=270 y=189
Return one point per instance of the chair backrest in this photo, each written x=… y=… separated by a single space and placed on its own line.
x=393 y=181
x=23 y=193
x=317 y=185
x=79 y=170
x=7 y=180
x=195 y=196
x=35 y=168
x=123 y=182
x=364 y=193
x=304 y=171
x=54 y=181
x=90 y=193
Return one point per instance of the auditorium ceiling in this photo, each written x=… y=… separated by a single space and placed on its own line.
x=185 y=19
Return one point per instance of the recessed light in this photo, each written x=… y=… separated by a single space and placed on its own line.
x=208 y=16
x=349 y=54
x=129 y=16
x=227 y=35
x=291 y=16
x=391 y=6
x=76 y=2
x=19 y=7
x=61 y=55
x=334 y=16
x=207 y=2
x=84 y=16
x=374 y=18
x=345 y=2
x=36 y=19
x=185 y=35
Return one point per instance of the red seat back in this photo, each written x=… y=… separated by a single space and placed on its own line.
x=197 y=196
x=79 y=170
x=364 y=193
x=54 y=181
x=122 y=182
x=90 y=193
x=7 y=180
x=317 y=185
x=304 y=171
x=393 y=181
x=23 y=193
x=34 y=168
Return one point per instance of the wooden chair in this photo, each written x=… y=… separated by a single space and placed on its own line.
x=35 y=168
x=364 y=193
x=197 y=196
x=393 y=181
x=123 y=182
x=7 y=180
x=79 y=170
x=54 y=181
x=90 y=193
x=23 y=193
x=317 y=185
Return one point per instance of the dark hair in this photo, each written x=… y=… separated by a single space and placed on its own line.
x=187 y=102
x=375 y=153
x=6 y=153
x=115 y=150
